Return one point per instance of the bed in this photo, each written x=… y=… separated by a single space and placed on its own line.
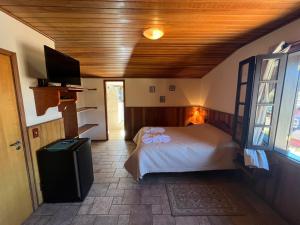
x=192 y=148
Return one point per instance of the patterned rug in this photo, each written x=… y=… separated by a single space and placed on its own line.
x=201 y=200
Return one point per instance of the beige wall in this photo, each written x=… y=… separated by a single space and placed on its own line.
x=28 y=44
x=96 y=99
x=218 y=88
x=187 y=92
x=137 y=91
x=137 y=95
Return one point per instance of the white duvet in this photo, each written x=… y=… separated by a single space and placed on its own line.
x=192 y=148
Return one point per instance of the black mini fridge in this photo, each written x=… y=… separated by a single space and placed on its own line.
x=66 y=170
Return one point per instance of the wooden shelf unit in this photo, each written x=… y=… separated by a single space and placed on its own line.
x=46 y=97
x=68 y=100
x=85 y=109
x=89 y=111
x=63 y=97
x=86 y=127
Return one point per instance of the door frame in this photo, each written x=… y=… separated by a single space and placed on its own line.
x=23 y=128
x=105 y=102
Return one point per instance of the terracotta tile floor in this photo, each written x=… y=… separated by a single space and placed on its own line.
x=116 y=199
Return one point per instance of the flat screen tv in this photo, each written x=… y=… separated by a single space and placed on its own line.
x=61 y=68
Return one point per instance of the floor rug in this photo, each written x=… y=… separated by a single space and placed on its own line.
x=201 y=200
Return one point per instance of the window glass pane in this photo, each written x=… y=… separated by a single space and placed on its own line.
x=261 y=136
x=287 y=139
x=241 y=112
x=269 y=69
x=263 y=115
x=294 y=136
x=243 y=93
x=266 y=92
x=245 y=70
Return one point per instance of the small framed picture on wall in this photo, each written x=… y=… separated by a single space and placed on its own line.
x=172 y=87
x=152 y=89
x=162 y=99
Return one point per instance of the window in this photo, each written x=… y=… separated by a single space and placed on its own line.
x=287 y=139
x=293 y=143
x=267 y=90
x=267 y=109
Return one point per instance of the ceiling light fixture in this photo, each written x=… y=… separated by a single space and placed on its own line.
x=153 y=33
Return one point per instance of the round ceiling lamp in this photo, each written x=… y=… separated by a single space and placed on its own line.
x=153 y=33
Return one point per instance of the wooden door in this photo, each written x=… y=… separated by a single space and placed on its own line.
x=15 y=198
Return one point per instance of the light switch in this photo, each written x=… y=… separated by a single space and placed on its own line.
x=35 y=132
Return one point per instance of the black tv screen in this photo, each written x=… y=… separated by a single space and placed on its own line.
x=61 y=68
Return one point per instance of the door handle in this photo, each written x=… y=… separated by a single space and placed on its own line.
x=17 y=144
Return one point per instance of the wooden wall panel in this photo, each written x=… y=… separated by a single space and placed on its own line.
x=281 y=187
x=48 y=132
x=222 y=120
x=138 y=117
x=70 y=121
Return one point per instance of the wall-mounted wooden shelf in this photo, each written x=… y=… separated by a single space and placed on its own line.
x=46 y=97
x=67 y=100
x=86 y=127
x=82 y=109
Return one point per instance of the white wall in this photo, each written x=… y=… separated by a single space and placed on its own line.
x=187 y=92
x=137 y=91
x=92 y=99
x=28 y=44
x=136 y=95
x=218 y=87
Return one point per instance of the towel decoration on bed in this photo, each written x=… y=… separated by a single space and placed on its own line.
x=154 y=130
x=256 y=159
x=155 y=138
x=155 y=135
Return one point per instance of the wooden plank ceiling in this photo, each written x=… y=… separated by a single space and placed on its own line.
x=106 y=36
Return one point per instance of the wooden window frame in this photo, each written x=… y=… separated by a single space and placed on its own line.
x=249 y=85
x=277 y=101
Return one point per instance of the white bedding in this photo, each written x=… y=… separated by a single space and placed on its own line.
x=192 y=148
